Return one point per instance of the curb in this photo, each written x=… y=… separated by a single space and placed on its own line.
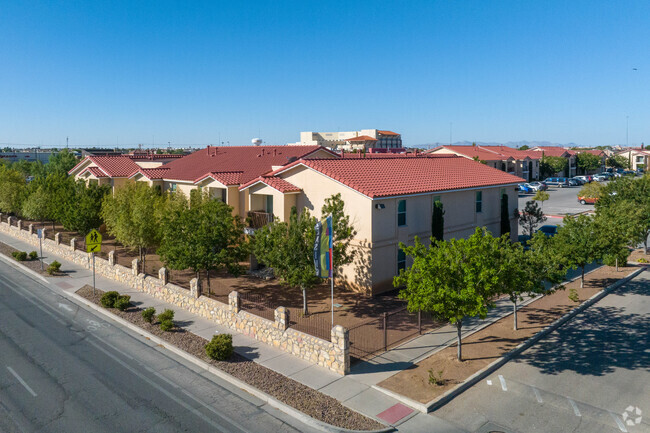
x=22 y=267
x=271 y=401
x=486 y=371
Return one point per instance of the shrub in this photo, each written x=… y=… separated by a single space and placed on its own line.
x=147 y=314
x=166 y=315
x=108 y=299
x=436 y=379
x=642 y=260
x=220 y=348
x=21 y=256
x=122 y=302
x=33 y=255
x=54 y=268
x=166 y=325
x=573 y=295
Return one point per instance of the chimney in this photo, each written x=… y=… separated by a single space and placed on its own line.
x=262 y=151
x=275 y=152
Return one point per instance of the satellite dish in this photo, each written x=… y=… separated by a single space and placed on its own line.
x=256 y=141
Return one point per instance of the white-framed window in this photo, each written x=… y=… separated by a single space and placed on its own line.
x=479 y=201
x=401 y=213
x=401 y=260
x=172 y=187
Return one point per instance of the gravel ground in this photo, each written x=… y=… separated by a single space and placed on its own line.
x=34 y=265
x=305 y=399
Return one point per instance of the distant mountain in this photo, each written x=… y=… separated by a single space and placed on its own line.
x=515 y=144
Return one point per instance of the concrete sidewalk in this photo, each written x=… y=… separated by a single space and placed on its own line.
x=355 y=390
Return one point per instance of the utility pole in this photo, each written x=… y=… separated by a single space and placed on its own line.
x=66 y=142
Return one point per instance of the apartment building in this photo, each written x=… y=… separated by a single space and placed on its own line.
x=390 y=200
x=364 y=139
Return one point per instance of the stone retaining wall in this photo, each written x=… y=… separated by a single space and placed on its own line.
x=334 y=354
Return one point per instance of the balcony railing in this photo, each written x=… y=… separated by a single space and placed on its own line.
x=258 y=219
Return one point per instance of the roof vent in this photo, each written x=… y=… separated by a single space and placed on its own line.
x=291 y=159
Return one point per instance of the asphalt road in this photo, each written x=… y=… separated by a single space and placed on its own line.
x=583 y=378
x=64 y=369
x=562 y=201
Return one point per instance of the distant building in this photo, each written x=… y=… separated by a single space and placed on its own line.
x=30 y=155
x=352 y=140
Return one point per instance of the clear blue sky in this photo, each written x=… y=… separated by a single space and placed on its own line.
x=191 y=72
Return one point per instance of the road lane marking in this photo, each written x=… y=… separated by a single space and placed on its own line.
x=538 y=396
x=503 y=383
x=574 y=406
x=172 y=396
x=22 y=382
x=65 y=307
x=489 y=382
x=620 y=424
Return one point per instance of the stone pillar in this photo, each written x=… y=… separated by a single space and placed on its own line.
x=73 y=244
x=281 y=318
x=9 y=219
x=30 y=229
x=135 y=266
x=195 y=287
x=341 y=340
x=43 y=231
x=163 y=275
x=233 y=301
x=111 y=258
x=20 y=224
x=57 y=238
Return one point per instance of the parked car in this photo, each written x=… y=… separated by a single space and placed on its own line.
x=560 y=182
x=548 y=230
x=538 y=186
x=600 y=178
x=606 y=175
x=574 y=182
x=628 y=173
x=581 y=179
x=587 y=200
x=525 y=188
x=639 y=170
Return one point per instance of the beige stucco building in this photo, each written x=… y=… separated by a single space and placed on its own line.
x=352 y=140
x=390 y=200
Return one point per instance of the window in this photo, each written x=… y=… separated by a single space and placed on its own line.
x=269 y=204
x=172 y=187
x=401 y=260
x=401 y=213
x=503 y=192
x=639 y=159
x=479 y=201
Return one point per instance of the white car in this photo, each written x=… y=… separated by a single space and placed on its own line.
x=599 y=178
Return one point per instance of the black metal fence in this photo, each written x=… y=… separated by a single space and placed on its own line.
x=375 y=336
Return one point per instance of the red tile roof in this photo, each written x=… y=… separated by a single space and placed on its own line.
x=274 y=182
x=95 y=171
x=384 y=177
x=596 y=152
x=224 y=177
x=152 y=173
x=511 y=152
x=553 y=150
x=251 y=161
x=362 y=138
x=115 y=166
x=472 y=152
x=387 y=132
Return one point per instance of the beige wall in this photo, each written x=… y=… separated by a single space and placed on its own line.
x=378 y=234
x=148 y=164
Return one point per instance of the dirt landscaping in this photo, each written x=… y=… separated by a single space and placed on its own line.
x=295 y=394
x=34 y=265
x=487 y=345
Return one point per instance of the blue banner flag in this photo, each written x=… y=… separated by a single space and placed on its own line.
x=323 y=248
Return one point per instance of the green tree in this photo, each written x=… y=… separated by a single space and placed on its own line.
x=524 y=147
x=452 y=279
x=203 y=237
x=61 y=162
x=618 y=161
x=578 y=243
x=344 y=231
x=13 y=190
x=541 y=196
x=37 y=205
x=288 y=249
x=82 y=207
x=531 y=217
x=130 y=214
x=438 y=221
x=588 y=161
x=551 y=165
x=505 y=215
x=591 y=190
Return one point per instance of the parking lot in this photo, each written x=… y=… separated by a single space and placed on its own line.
x=562 y=201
